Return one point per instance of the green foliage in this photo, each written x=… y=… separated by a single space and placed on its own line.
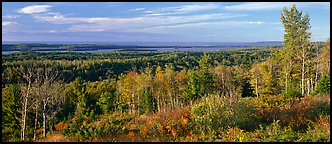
x=147 y=100
x=317 y=132
x=323 y=85
x=104 y=102
x=103 y=88
x=219 y=113
x=275 y=133
x=191 y=89
x=293 y=92
x=11 y=116
x=205 y=77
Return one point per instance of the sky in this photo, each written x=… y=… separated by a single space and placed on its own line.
x=156 y=21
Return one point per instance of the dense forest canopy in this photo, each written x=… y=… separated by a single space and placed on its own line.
x=227 y=95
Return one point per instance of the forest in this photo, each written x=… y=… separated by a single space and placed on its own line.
x=254 y=94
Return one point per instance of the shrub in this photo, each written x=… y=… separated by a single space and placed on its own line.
x=293 y=93
x=218 y=113
x=275 y=133
x=323 y=85
x=318 y=132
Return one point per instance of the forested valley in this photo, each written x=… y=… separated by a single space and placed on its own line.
x=245 y=94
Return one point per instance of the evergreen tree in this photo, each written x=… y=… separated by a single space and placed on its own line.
x=192 y=89
x=11 y=116
x=297 y=48
x=205 y=77
x=323 y=85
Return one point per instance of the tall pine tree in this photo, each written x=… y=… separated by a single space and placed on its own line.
x=297 y=51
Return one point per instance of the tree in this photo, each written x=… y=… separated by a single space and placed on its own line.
x=159 y=88
x=170 y=84
x=264 y=78
x=205 y=77
x=221 y=75
x=107 y=97
x=324 y=58
x=27 y=73
x=81 y=116
x=323 y=85
x=11 y=116
x=192 y=90
x=81 y=93
x=147 y=101
x=181 y=79
x=297 y=48
x=50 y=92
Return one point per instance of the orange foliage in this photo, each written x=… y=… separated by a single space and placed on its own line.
x=60 y=126
x=131 y=134
x=173 y=131
x=39 y=131
x=296 y=112
x=144 y=131
x=170 y=122
x=86 y=118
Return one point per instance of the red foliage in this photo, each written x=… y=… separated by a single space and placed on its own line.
x=295 y=112
x=60 y=126
x=39 y=131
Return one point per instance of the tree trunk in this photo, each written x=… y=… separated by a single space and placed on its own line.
x=44 y=119
x=24 y=118
x=133 y=104
x=52 y=117
x=256 y=87
x=138 y=104
x=311 y=85
x=303 y=71
x=158 y=101
x=286 y=81
x=308 y=84
x=316 y=79
x=36 y=120
x=24 y=115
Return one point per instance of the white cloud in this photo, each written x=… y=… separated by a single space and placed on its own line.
x=108 y=23
x=195 y=25
x=195 y=7
x=8 y=23
x=35 y=9
x=118 y=24
x=181 y=9
x=137 y=9
x=9 y=16
x=148 y=11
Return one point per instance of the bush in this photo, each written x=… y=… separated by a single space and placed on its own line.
x=293 y=93
x=274 y=133
x=318 y=132
x=323 y=85
x=218 y=113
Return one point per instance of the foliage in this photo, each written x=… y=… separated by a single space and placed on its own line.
x=323 y=85
x=11 y=116
x=172 y=96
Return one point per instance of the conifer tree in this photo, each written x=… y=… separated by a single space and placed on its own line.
x=297 y=48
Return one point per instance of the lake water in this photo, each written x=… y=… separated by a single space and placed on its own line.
x=153 y=49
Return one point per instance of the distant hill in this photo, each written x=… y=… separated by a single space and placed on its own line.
x=229 y=44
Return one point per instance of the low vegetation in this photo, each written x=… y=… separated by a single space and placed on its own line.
x=244 y=95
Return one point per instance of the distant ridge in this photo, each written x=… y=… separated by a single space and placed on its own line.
x=261 y=43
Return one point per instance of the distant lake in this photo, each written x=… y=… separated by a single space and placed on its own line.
x=88 y=51
x=8 y=52
x=144 y=49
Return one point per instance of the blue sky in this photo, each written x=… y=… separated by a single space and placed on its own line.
x=155 y=21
